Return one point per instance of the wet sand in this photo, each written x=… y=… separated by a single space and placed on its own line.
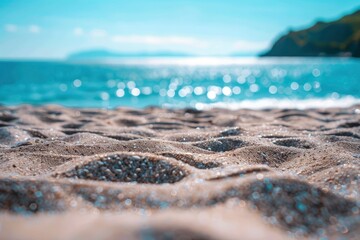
x=179 y=174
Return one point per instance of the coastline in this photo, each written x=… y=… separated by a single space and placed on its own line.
x=274 y=173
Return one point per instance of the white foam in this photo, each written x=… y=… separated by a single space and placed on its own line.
x=271 y=103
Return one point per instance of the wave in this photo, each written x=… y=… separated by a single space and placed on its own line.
x=271 y=103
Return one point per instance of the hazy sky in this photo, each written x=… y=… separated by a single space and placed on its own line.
x=55 y=28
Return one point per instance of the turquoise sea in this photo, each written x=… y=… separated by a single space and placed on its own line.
x=183 y=82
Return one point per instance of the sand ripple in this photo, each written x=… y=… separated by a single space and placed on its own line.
x=298 y=170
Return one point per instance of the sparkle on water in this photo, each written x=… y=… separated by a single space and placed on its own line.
x=185 y=82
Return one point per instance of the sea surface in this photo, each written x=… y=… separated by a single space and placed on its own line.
x=183 y=82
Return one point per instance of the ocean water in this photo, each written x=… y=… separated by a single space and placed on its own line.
x=183 y=82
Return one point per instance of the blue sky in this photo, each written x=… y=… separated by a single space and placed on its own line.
x=55 y=28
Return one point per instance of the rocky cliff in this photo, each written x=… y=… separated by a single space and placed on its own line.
x=336 y=38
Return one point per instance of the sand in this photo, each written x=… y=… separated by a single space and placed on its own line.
x=179 y=174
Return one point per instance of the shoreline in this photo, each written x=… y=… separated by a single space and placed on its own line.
x=255 y=104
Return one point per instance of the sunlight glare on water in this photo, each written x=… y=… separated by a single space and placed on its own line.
x=182 y=82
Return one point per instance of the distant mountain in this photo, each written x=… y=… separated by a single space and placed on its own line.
x=91 y=54
x=337 y=38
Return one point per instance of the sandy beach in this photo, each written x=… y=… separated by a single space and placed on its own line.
x=179 y=174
